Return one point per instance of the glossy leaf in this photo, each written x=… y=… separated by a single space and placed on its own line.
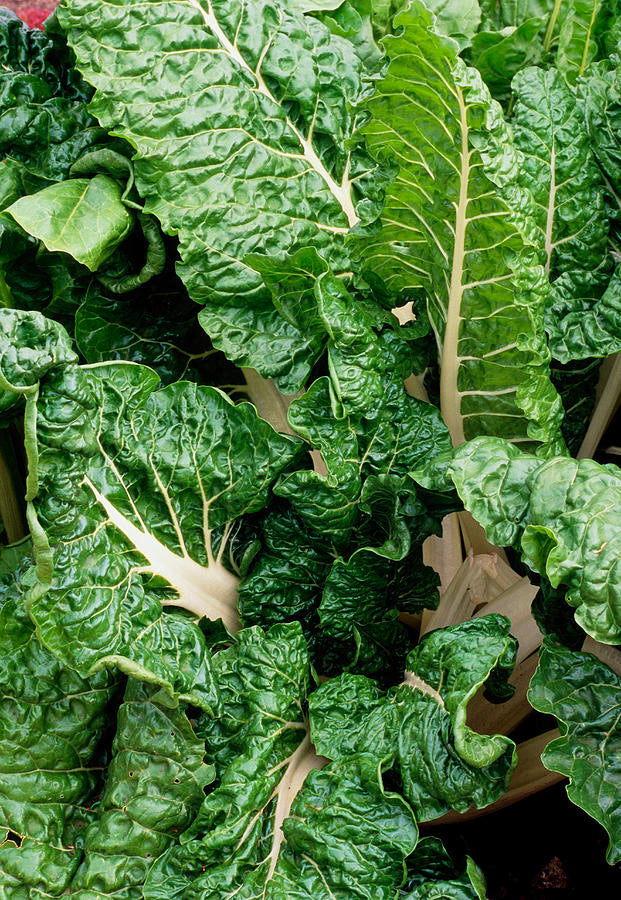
x=565 y=515
x=344 y=833
x=150 y=483
x=434 y=876
x=82 y=217
x=561 y=172
x=307 y=187
x=52 y=723
x=585 y=696
x=420 y=726
x=154 y=786
x=470 y=245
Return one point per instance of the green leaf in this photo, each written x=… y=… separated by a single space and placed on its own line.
x=602 y=112
x=561 y=172
x=432 y=875
x=565 y=515
x=273 y=175
x=498 y=55
x=44 y=121
x=154 y=325
x=154 y=787
x=82 y=217
x=266 y=830
x=580 y=25
x=585 y=696
x=585 y=323
x=51 y=726
x=459 y=19
x=151 y=483
x=470 y=245
x=420 y=726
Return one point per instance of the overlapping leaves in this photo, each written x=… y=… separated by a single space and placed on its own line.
x=290 y=134
x=134 y=493
x=565 y=514
x=470 y=244
x=419 y=727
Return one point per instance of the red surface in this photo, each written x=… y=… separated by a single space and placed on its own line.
x=34 y=14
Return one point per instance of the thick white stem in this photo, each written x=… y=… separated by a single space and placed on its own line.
x=273 y=406
x=301 y=762
x=412 y=680
x=204 y=590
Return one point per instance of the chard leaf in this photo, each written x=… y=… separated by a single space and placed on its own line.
x=345 y=835
x=561 y=172
x=154 y=787
x=150 y=483
x=565 y=515
x=585 y=696
x=45 y=124
x=602 y=112
x=83 y=217
x=273 y=174
x=432 y=875
x=498 y=55
x=459 y=19
x=419 y=727
x=469 y=245
x=362 y=527
x=154 y=325
x=580 y=26
x=51 y=726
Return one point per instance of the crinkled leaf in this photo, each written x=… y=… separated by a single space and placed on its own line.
x=44 y=122
x=585 y=696
x=420 y=727
x=270 y=175
x=432 y=875
x=154 y=325
x=576 y=383
x=581 y=25
x=344 y=833
x=459 y=19
x=150 y=483
x=469 y=244
x=564 y=513
x=358 y=559
x=51 y=724
x=154 y=787
x=561 y=172
x=498 y=55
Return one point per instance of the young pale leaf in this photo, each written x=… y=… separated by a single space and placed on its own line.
x=154 y=787
x=585 y=696
x=564 y=513
x=51 y=725
x=470 y=244
x=150 y=483
x=250 y=155
x=420 y=727
x=83 y=217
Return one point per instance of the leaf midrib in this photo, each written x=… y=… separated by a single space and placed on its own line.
x=340 y=192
